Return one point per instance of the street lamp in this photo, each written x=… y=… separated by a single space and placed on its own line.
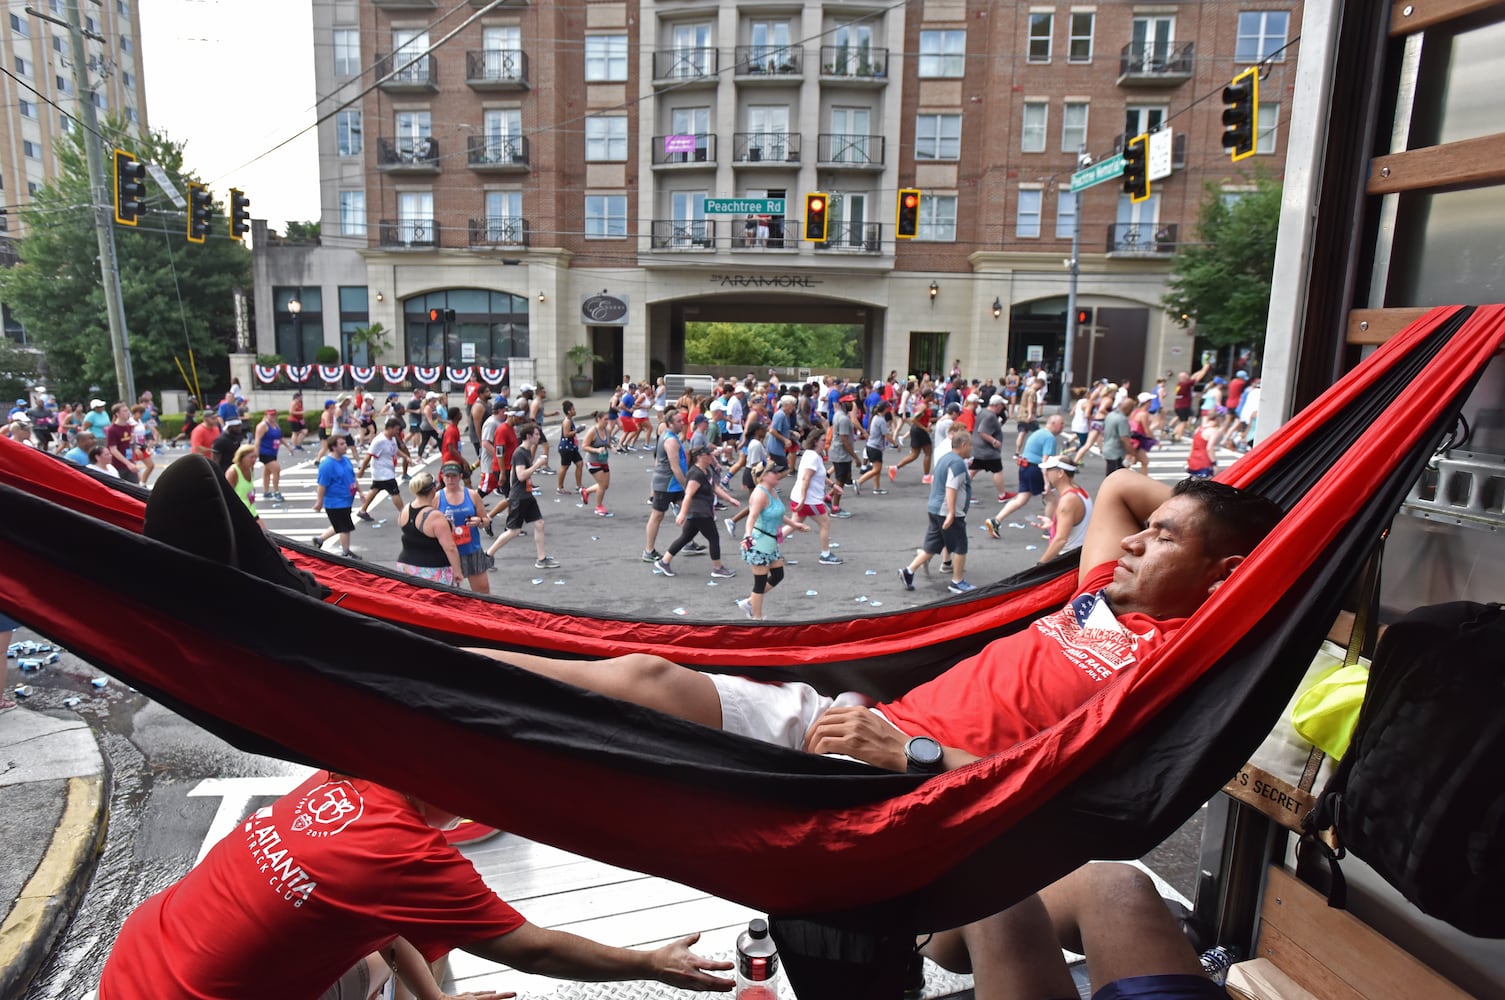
x=997 y=307
x=296 y=308
x=935 y=290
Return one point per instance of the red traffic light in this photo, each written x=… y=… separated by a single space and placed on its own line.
x=816 y=204
x=1083 y=317
x=911 y=200
x=435 y=315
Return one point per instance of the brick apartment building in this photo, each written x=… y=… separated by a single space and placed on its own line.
x=542 y=170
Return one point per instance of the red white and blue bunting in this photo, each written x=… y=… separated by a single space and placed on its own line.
x=394 y=374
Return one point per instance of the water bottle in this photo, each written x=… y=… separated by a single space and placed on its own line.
x=757 y=963
x=1217 y=961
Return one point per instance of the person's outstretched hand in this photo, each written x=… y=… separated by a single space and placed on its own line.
x=676 y=965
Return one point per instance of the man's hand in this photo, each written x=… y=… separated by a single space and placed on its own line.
x=856 y=732
x=676 y=965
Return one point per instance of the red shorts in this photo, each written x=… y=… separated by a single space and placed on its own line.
x=490 y=482
x=807 y=510
x=629 y=424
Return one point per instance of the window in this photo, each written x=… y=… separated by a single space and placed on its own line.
x=605 y=57
x=1041 y=26
x=347 y=52
x=59 y=45
x=354 y=313
x=415 y=218
x=100 y=101
x=1261 y=33
x=501 y=48
x=123 y=7
x=31 y=150
x=770 y=46
x=504 y=217
x=129 y=79
x=64 y=85
x=1074 y=126
x=67 y=124
x=19 y=26
x=352 y=213
x=32 y=187
x=298 y=336
x=503 y=128
x=347 y=130
x=606 y=138
x=125 y=43
x=489 y=328
x=937 y=218
x=413 y=131
x=1079 y=45
x=1065 y=215
x=691 y=121
x=1032 y=137
x=692 y=52
x=91 y=26
x=943 y=53
x=21 y=67
x=133 y=116
x=605 y=216
x=938 y=137
x=411 y=61
x=1028 y=222
x=1269 y=119
x=28 y=108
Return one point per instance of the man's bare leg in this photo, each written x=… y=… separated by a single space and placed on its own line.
x=1012 y=955
x=641 y=678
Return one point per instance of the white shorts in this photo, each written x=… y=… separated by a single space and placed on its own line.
x=774 y=712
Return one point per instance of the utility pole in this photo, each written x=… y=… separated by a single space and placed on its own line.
x=101 y=198
x=1083 y=160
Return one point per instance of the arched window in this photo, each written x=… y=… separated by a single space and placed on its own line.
x=493 y=324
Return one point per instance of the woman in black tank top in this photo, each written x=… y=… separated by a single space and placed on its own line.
x=428 y=544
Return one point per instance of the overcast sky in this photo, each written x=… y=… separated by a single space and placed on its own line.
x=231 y=79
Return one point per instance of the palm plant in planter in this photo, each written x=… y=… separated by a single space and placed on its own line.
x=581 y=355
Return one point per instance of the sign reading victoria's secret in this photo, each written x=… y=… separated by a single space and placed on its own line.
x=603 y=309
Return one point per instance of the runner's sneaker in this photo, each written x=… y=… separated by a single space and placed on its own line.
x=946 y=566
x=547 y=562
x=350 y=555
x=1006 y=496
x=992 y=527
x=652 y=555
x=830 y=559
x=961 y=587
x=561 y=491
x=927 y=479
x=893 y=474
x=906 y=577
x=585 y=495
x=317 y=541
x=880 y=493
x=603 y=512
x=841 y=513
x=695 y=549
x=722 y=573
x=364 y=515
x=746 y=605
x=659 y=566
x=731 y=526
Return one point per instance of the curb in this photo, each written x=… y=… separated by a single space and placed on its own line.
x=42 y=911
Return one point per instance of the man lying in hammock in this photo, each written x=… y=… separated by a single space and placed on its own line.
x=1152 y=555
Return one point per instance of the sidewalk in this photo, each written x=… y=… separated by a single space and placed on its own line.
x=54 y=799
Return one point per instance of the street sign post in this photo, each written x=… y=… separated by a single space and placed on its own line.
x=744 y=206
x=1106 y=169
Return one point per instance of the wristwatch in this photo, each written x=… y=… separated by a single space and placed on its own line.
x=923 y=755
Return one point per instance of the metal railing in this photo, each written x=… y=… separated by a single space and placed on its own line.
x=766 y=147
x=769 y=60
x=1142 y=237
x=407 y=69
x=416 y=152
x=407 y=233
x=779 y=235
x=684 y=64
x=496 y=66
x=704 y=151
x=683 y=234
x=853 y=237
x=860 y=62
x=1157 y=59
x=844 y=149
x=504 y=231
x=496 y=151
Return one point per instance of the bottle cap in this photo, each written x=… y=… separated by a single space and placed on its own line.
x=758 y=927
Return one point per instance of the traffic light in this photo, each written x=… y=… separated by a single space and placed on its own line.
x=200 y=212
x=907 y=226
x=1241 y=114
x=441 y=315
x=1083 y=318
x=240 y=214
x=130 y=188
x=816 y=205
x=1137 y=169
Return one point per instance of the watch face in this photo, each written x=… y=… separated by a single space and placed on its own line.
x=923 y=751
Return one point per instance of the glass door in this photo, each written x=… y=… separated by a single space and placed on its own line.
x=501 y=49
x=768 y=132
x=1134 y=230
x=849 y=135
x=503 y=129
x=504 y=216
x=854 y=45
x=408 y=43
x=1152 y=38
x=692 y=51
x=413 y=132
x=691 y=121
x=689 y=229
x=415 y=218
x=769 y=52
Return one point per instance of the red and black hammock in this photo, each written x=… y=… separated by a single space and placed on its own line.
x=372 y=687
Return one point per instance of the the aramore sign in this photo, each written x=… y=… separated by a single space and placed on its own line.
x=764 y=281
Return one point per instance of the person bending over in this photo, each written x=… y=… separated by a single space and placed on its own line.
x=1152 y=556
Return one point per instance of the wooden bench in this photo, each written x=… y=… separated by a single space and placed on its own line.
x=1333 y=954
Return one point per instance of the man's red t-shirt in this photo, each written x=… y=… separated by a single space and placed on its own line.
x=506 y=443
x=203 y=438
x=449 y=445
x=1033 y=678
x=1183 y=394
x=967 y=418
x=1235 y=392
x=297 y=895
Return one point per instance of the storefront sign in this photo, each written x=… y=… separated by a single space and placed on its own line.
x=764 y=281
x=603 y=310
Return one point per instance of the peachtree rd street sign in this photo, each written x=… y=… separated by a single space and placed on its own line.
x=744 y=206
x=1104 y=170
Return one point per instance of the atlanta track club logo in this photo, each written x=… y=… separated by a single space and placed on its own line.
x=328 y=809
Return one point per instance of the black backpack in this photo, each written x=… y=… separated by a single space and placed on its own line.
x=1420 y=795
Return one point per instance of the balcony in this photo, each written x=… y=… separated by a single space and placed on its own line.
x=843 y=151
x=1142 y=239
x=703 y=155
x=860 y=65
x=406 y=4
x=1155 y=64
x=765 y=149
x=746 y=239
x=418 y=234
x=685 y=68
x=769 y=64
x=499 y=232
x=852 y=237
x=496 y=70
x=499 y=154
x=408 y=155
x=407 y=73
x=503 y=4
x=683 y=235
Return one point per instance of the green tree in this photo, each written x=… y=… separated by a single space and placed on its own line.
x=176 y=294
x=781 y=345
x=1223 y=280
x=303 y=232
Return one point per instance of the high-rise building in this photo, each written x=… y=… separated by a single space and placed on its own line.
x=606 y=172
x=38 y=95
